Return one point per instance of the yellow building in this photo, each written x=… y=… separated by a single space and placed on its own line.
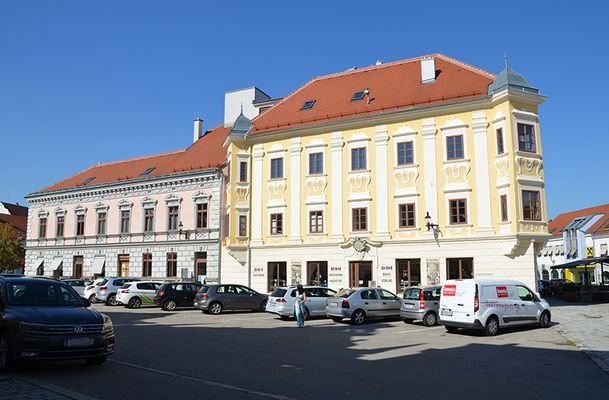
x=398 y=174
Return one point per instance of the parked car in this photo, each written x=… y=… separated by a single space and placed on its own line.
x=421 y=304
x=91 y=289
x=282 y=300
x=217 y=298
x=176 y=294
x=44 y=319
x=137 y=294
x=490 y=305
x=77 y=284
x=106 y=291
x=360 y=304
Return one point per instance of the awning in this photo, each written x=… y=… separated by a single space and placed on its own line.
x=583 y=261
x=38 y=262
x=56 y=264
x=98 y=266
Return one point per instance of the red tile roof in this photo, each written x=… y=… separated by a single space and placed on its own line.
x=391 y=86
x=207 y=152
x=559 y=223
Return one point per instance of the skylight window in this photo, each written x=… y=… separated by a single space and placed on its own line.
x=308 y=105
x=149 y=170
x=360 y=95
x=88 y=180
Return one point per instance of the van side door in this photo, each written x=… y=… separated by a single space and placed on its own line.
x=528 y=307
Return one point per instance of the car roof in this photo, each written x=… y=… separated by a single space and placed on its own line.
x=27 y=279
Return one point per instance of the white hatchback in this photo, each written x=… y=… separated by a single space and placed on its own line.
x=137 y=294
x=490 y=305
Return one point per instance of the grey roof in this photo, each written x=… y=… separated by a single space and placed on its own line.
x=241 y=126
x=508 y=78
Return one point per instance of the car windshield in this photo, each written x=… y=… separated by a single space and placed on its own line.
x=344 y=293
x=279 y=293
x=42 y=294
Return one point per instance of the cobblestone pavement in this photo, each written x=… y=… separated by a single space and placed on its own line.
x=587 y=326
x=19 y=389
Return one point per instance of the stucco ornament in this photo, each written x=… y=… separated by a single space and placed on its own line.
x=360 y=245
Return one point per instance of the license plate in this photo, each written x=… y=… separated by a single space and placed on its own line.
x=447 y=312
x=79 y=342
x=334 y=304
x=408 y=305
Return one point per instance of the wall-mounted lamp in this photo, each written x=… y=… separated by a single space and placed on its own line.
x=429 y=224
x=181 y=230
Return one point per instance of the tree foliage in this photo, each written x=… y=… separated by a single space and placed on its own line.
x=12 y=254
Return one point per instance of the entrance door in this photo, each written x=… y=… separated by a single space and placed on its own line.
x=201 y=266
x=408 y=273
x=123 y=265
x=317 y=273
x=277 y=275
x=360 y=273
x=77 y=263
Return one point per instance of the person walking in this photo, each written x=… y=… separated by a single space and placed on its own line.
x=299 y=306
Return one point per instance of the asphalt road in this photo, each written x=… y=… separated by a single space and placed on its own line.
x=188 y=355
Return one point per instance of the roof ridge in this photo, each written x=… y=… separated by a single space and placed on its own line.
x=167 y=153
x=471 y=67
x=370 y=67
x=582 y=211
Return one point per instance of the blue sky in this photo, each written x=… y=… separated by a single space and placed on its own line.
x=83 y=82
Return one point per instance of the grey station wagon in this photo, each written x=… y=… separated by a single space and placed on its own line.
x=360 y=304
x=216 y=298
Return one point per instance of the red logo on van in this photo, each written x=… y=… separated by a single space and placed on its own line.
x=449 y=290
x=502 y=291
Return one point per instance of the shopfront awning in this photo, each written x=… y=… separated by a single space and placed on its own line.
x=56 y=264
x=586 y=262
x=98 y=266
x=39 y=266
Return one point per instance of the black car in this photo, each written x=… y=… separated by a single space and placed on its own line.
x=177 y=294
x=45 y=319
x=216 y=298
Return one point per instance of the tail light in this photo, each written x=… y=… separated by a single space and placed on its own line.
x=103 y=288
x=422 y=300
x=345 y=304
x=124 y=291
x=476 y=301
x=202 y=296
x=160 y=293
x=90 y=287
x=280 y=300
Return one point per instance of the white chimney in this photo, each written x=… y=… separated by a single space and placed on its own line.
x=198 y=129
x=428 y=70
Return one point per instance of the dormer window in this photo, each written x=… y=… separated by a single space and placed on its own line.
x=360 y=95
x=308 y=105
x=149 y=170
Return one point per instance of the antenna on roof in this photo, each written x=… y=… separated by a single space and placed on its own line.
x=505 y=57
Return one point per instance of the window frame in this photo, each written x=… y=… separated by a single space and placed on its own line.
x=503 y=208
x=242 y=171
x=172 y=264
x=173 y=217
x=500 y=141
x=42 y=227
x=149 y=219
x=316 y=163
x=277 y=168
x=357 y=221
x=202 y=215
x=146 y=264
x=407 y=215
x=452 y=217
x=532 y=208
x=80 y=225
x=316 y=220
x=456 y=155
x=60 y=226
x=529 y=138
x=276 y=224
x=407 y=146
x=102 y=219
x=125 y=221
x=356 y=162
x=242 y=225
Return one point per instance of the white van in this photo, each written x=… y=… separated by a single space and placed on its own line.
x=490 y=305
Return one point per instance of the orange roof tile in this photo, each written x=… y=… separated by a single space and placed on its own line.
x=391 y=86
x=207 y=152
x=556 y=226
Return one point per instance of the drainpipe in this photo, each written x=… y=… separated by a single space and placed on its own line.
x=221 y=212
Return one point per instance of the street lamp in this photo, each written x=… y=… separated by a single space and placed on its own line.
x=429 y=224
x=180 y=231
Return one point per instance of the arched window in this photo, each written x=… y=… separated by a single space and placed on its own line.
x=554 y=274
x=545 y=275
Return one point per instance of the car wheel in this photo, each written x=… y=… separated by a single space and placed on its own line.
x=215 y=308
x=430 y=319
x=111 y=301
x=492 y=326
x=170 y=305
x=336 y=319
x=96 y=361
x=92 y=299
x=358 y=317
x=135 y=302
x=544 y=320
x=5 y=353
x=263 y=306
x=407 y=320
x=451 y=329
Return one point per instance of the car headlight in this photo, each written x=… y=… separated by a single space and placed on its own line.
x=107 y=324
x=32 y=328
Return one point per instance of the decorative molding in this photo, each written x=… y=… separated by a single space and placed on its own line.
x=80 y=210
x=404 y=131
x=125 y=205
x=173 y=200
x=316 y=185
x=148 y=202
x=59 y=211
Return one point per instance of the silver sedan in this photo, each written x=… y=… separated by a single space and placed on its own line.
x=360 y=304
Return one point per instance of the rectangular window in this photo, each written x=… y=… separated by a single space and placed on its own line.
x=460 y=268
x=242 y=171
x=316 y=163
x=242 y=225
x=80 y=225
x=149 y=220
x=276 y=224
x=101 y=223
x=202 y=216
x=500 y=149
x=360 y=222
x=277 y=168
x=407 y=216
x=147 y=264
x=172 y=218
x=172 y=264
x=531 y=205
x=526 y=138
x=458 y=211
x=125 y=221
x=316 y=222
x=504 y=208
x=42 y=231
x=60 y=224
x=405 y=155
x=358 y=159
x=277 y=275
x=454 y=147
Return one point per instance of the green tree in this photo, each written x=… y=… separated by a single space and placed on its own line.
x=12 y=254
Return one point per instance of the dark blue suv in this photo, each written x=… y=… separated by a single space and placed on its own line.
x=45 y=319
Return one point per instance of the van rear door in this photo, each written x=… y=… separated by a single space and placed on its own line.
x=457 y=301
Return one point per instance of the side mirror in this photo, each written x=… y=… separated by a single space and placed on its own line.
x=86 y=301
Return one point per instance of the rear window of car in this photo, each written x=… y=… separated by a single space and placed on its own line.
x=279 y=293
x=412 y=294
x=344 y=293
x=102 y=283
x=126 y=286
x=204 y=289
